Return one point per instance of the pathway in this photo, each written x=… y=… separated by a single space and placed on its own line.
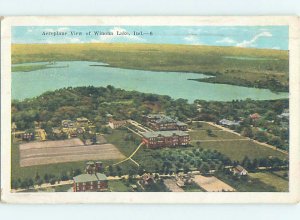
x=130 y=157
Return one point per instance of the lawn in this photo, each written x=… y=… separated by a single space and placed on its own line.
x=211 y=60
x=282 y=173
x=28 y=68
x=118 y=186
x=247 y=184
x=117 y=138
x=237 y=150
x=202 y=126
x=63 y=188
x=192 y=188
x=215 y=135
x=279 y=183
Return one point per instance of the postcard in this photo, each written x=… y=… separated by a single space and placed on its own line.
x=150 y=109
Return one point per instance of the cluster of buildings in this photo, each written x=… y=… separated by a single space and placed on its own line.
x=227 y=122
x=157 y=139
x=160 y=122
x=35 y=134
x=114 y=124
x=73 y=128
x=167 y=132
x=91 y=181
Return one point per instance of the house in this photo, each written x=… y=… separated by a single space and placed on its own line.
x=285 y=114
x=156 y=139
x=239 y=170
x=28 y=136
x=82 y=122
x=116 y=124
x=56 y=130
x=13 y=127
x=181 y=126
x=255 y=116
x=94 y=167
x=160 y=122
x=67 y=123
x=147 y=179
x=93 y=182
x=228 y=122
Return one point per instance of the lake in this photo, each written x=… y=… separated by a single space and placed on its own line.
x=173 y=84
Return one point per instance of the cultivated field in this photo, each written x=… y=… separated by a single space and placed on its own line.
x=212 y=184
x=52 y=144
x=39 y=153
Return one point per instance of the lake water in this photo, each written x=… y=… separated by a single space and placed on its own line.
x=173 y=84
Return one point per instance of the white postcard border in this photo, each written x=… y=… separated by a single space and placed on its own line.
x=154 y=197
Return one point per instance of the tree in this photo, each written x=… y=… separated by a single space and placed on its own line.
x=209 y=132
x=52 y=180
x=247 y=132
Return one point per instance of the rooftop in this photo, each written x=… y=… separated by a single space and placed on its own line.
x=160 y=118
x=83 y=178
x=151 y=134
x=81 y=119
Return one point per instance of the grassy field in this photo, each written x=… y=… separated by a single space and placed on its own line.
x=215 y=135
x=202 y=126
x=282 y=173
x=27 y=68
x=237 y=150
x=118 y=186
x=281 y=185
x=192 y=188
x=246 y=185
x=117 y=139
x=255 y=69
x=234 y=149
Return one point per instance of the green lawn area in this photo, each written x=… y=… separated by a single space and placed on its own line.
x=247 y=184
x=216 y=135
x=126 y=147
x=118 y=186
x=192 y=188
x=63 y=188
x=202 y=126
x=237 y=150
x=282 y=173
x=28 y=68
x=279 y=183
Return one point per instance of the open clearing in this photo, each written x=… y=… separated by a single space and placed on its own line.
x=237 y=150
x=279 y=183
x=216 y=135
x=39 y=153
x=234 y=146
x=212 y=184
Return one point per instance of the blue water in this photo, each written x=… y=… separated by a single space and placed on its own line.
x=173 y=84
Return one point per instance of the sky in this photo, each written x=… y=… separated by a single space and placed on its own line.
x=271 y=37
